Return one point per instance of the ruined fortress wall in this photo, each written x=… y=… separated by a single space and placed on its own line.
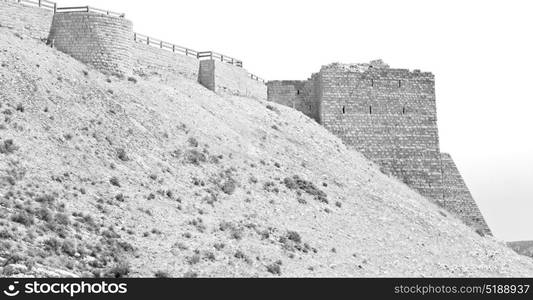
x=149 y=60
x=458 y=198
x=300 y=95
x=33 y=20
x=222 y=77
x=390 y=116
x=101 y=41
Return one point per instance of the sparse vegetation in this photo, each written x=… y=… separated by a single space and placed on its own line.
x=114 y=181
x=122 y=155
x=194 y=157
x=297 y=183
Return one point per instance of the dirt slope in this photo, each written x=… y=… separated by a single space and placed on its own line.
x=150 y=175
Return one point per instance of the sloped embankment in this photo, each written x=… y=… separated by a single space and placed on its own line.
x=155 y=175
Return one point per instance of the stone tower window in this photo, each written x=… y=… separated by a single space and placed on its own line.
x=403 y=110
x=399 y=83
x=371 y=82
x=370 y=109
x=297 y=92
x=343 y=109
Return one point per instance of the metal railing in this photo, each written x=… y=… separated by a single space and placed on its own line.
x=49 y=5
x=164 y=45
x=219 y=56
x=88 y=9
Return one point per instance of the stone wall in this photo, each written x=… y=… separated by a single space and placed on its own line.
x=101 y=41
x=390 y=116
x=300 y=95
x=222 y=77
x=34 y=21
x=458 y=198
x=150 y=60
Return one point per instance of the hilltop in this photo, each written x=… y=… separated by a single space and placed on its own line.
x=154 y=175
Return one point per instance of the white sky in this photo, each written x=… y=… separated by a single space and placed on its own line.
x=481 y=53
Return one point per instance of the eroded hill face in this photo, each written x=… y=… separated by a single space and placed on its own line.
x=154 y=174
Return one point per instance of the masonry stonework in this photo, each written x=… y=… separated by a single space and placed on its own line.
x=458 y=198
x=99 y=40
x=390 y=116
x=222 y=77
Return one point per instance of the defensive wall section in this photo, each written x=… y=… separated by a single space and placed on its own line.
x=99 y=40
x=390 y=116
x=105 y=40
x=221 y=77
x=458 y=197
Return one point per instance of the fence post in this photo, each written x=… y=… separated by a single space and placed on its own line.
x=147 y=40
x=161 y=44
x=39 y=3
x=173 y=48
x=186 y=51
x=135 y=36
x=55 y=8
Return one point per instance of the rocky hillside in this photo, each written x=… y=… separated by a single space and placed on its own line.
x=153 y=175
x=522 y=247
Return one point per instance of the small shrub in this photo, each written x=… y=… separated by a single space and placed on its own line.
x=69 y=247
x=272 y=108
x=46 y=199
x=194 y=157
x=122 y=155
x=62 y=219
x=20 y=107
x=7 y=147
x=192 y=260
x=23 y=218
x=120 y=271
x=114 y=181
x=190 y=274
x=274 y=269
x=132 y=79
x=162 y=274
x=296 y=183
x=229 y=186
x=294 y=236
x=192 y=142
x=338 y=204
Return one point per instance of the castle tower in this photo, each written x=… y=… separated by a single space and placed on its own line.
x=390 y=116
x=100 y=40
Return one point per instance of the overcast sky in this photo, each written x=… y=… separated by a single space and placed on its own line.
x=481 y=53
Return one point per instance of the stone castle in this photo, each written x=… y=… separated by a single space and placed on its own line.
x=390 y=116
x=387 y=114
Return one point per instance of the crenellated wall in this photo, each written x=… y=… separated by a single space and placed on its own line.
x=225 y=78
x=99 y=40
